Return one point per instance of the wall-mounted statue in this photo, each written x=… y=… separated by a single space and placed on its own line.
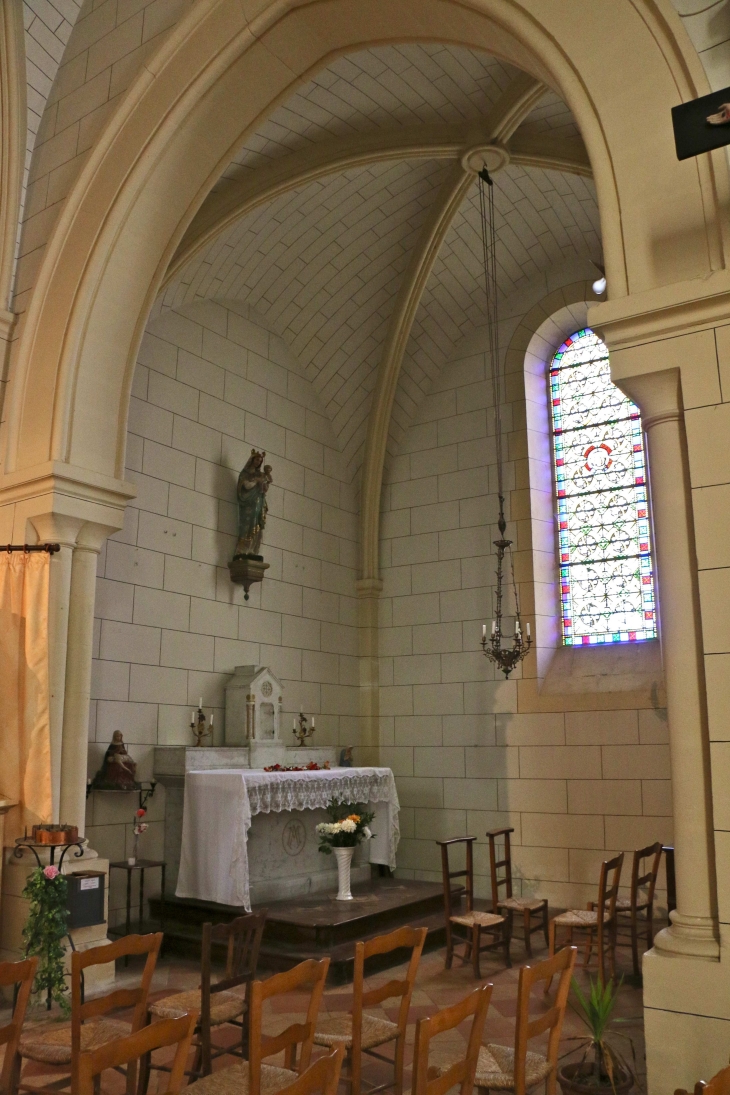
x=253 y=484
x=247 y=565
x=118 y=770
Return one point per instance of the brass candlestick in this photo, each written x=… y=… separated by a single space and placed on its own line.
x=199 y=727
x=302 y=732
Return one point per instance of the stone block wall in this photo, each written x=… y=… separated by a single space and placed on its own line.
x=209 y=385
x=580 y=777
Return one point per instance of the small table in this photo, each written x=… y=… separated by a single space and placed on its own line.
x=141 y=865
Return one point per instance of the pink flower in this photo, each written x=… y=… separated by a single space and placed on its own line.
x=50 y=872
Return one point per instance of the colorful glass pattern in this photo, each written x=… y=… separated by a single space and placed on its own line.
x=606 y=573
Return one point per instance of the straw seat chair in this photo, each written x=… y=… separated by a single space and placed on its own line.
x=432 y=1080
x=255 y=1077
x=362 y=1033
x=61 y=1044
x=718 y=1085
x=476 y=922
x=530 y=908
x=599 y=917
x=323 y=1075
x=127 y=1051
x=215 y=1001
x=516 y=1068
x=640 y=900
x=21 y=976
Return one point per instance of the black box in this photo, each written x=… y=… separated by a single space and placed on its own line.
x=85 y=898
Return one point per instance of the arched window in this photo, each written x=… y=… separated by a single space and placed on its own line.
x=606 y=574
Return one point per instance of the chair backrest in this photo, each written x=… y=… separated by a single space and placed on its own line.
x=242 y=939
x=127 y=1051
x=412 y=939
x=310 y=973
x=497 y=864
x=120 y=998
x=562 y=963
x=323 y=1075
x=649 y=877
x=608 y=884
x=22 y=974
x=718 y=1085
x=467 y=874
x=462 y=1071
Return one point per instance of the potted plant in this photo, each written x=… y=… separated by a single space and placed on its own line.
x=601 y=1070
x=341 y=835
x=47 y=891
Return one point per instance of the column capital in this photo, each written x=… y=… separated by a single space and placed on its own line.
x=369 y=587
x=658 y=395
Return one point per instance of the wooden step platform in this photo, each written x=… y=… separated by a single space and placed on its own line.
x=316 y=925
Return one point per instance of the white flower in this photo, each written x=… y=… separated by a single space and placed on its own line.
x=366 y=833
x=348 y=826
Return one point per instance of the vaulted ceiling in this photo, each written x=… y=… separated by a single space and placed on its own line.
x=319 y=220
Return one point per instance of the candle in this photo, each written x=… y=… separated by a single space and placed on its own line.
x=301 y=709
x=211 y=720
x=313 y=722
x=200 y=702
x=293 y=724
x=494 y=628
x=192 y=718
x=528 y=631
x=484 y=632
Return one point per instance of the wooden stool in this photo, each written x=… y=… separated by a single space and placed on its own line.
x=529 y=906
x=360 y=1032
x=473 y=919
x=600 y=916
x=637 y=902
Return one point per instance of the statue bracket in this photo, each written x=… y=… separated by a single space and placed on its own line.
x=245 y=570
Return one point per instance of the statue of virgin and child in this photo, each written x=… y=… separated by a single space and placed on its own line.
x=253 y=483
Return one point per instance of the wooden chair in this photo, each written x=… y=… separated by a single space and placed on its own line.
x=472 y=919
x=62 y=1044
x=600 y=916
x=640 y=902
x=323 y=1075
x=257 y=1078
x=435 y=1081
x=22 y=975
x=718 y=1085
x=127 y=1051
x=515 y=1068
x=530 y=907
x=361 y=1032
x=214 y=1001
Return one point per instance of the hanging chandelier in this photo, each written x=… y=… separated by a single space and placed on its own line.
x=508 y=656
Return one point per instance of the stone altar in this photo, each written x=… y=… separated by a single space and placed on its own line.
x=172 y=762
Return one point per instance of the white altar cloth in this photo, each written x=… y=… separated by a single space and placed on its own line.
x=219 y=805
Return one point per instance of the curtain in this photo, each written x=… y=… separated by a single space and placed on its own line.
x=25 y=741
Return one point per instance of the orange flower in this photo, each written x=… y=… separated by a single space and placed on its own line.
x=353 y=817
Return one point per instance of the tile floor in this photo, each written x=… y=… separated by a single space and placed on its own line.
x=435 y=988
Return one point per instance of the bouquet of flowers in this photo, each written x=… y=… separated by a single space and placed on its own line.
x=139 y=827
x=345 y=830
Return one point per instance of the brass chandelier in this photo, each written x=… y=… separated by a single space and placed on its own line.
x=509 y=656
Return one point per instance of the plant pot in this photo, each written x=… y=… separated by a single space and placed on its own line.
x=576 y=1079
x=344 y=859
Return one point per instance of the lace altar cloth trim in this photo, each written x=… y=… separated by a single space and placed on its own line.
x=214 y=857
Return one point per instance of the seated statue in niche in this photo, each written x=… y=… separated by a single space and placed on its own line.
x=253 y=484
x=118 y=770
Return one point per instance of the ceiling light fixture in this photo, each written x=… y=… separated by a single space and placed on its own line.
x=599 y=285
x=505 y=658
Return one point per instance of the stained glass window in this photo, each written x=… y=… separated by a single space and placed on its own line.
x=606 y=574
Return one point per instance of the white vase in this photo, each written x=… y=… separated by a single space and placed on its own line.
x=344 y=858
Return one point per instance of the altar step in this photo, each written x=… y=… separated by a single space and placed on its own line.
x=316 y=925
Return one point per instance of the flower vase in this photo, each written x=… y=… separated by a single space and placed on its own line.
x=344 y=859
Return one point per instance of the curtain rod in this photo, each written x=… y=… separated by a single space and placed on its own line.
x=50 y=548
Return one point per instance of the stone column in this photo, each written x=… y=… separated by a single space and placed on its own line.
x=693 y=931
x=368 y=591
x=57 y=529
x=78 y=673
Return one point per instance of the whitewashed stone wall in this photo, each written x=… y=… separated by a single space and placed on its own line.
x=209 y=385
x=577 y=785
